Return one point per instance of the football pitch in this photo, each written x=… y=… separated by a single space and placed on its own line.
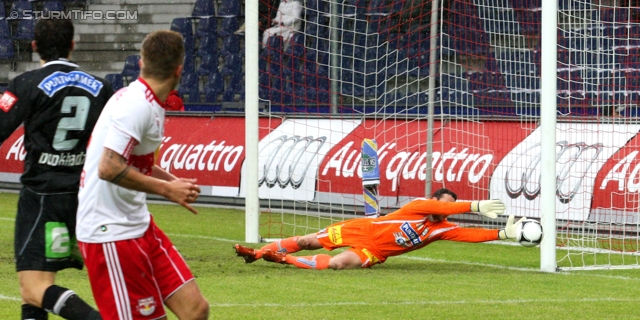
x=445 y=280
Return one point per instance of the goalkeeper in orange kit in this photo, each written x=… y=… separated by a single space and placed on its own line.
x=372 y=241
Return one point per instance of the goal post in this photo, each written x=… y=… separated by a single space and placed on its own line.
x=478 y=96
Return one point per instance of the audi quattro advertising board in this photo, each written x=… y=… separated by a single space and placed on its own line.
x=210 y=150
x=582 y=150
x=617 y=188
x=12 y=156
x=290 y=155
x=464 y=158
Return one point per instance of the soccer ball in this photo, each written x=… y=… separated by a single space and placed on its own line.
x=529 y=233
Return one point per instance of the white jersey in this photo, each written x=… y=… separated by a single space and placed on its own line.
x=132 y=125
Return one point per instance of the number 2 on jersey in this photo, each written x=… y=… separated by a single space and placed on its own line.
x=71 y=122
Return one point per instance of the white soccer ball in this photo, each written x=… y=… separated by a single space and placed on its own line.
x=529 y=233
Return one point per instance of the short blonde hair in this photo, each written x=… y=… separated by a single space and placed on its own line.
x=161 y=53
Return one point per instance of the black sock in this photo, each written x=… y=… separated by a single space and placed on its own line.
x=30 y=312
x=67 y=304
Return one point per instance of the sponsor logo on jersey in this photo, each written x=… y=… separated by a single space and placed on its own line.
x=146 y=306
x=58 y=80
x=7 y=101
x=335 y=235
x=63 y=159
x=413 y=236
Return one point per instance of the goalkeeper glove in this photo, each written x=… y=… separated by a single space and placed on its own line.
x=509 y=231
x=488 y=208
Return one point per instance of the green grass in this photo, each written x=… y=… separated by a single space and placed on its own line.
x=445 y=280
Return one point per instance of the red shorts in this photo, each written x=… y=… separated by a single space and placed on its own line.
x=130 y=279
x=354 y=234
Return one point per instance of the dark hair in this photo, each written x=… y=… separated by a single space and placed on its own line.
x=54 y=38
x=442 y=191
x=161 y=53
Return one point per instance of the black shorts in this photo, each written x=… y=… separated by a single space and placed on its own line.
x=45 y=235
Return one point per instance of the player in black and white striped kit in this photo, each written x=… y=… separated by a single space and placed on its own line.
x=59 y=105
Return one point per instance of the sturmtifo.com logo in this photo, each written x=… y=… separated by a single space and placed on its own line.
x=76 y=15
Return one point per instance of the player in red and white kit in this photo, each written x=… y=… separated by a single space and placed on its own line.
x=133 y=267
x=372 y=241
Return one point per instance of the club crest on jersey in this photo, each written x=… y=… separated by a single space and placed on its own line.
x=58 y=80
x=146 y=306
x=413 y=236
x=7 y=101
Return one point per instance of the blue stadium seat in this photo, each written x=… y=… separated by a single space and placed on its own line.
x=236 y=85
x=208 y=46
x=230 y=45
x=354 y=7
x=188 y=89
x=207 y=26
x=131 y=67
x=116 y=80
x=5 y=33
x=228 y=27
x=24 y=30
x=316 y=7
x=49 y=6
x=317 y=26
x=19 y=7
x=232 y=64
x=208 y=65
x=378 y=7
x=203 y=8
x=296 y=46
x=215 y=86
x=185 y=28
x=3 y=13
x=229 y=8
x=6 y=49
x=274 y=46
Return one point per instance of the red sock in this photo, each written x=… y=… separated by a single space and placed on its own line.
x=288 y=245
x=318 y=262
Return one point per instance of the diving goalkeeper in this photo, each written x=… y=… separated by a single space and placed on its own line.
x=372 y=241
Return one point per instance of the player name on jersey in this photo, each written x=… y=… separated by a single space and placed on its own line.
x=63 y=159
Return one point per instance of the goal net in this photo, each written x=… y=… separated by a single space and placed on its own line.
x=450 y=91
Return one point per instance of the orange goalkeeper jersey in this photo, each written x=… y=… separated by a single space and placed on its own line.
x=404 y=230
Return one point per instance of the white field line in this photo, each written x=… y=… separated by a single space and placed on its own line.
x=421 y=303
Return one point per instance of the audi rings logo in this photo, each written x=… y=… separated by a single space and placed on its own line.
x=288 y=159
x=522 y=176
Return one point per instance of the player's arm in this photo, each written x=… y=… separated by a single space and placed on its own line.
x=113 y=167
x=482 y=235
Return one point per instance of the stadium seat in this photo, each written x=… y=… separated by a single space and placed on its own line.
x=230 y=45
x=208 y=65
x=237 y=83
x=207 y=26
x=24 y=30
x=274 y=47
x=354 y=8
x=232 y=64
x=203 y=8
x=6 y=49
x=4 y=30
x=377 y=7
x=296 y=46
x=131 y=67
x=3 y=13
x=49 y=6
x=19 y=7
x=189 y=90
x=208 y=46
x=116 y=81
x=316 y=7
x=215 y=86
x=229 y=8
x=184 y=27
x=228 y=27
